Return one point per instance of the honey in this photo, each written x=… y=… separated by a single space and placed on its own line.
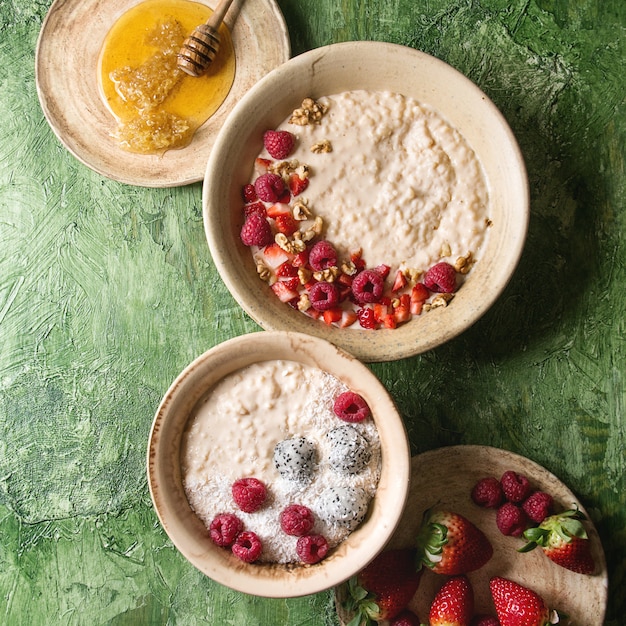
x=156 y=105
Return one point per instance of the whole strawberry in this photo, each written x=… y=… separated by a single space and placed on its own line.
x=563 y=539
x=517 y=605
x=454 y=603
x=382 y=589
x=449 y=543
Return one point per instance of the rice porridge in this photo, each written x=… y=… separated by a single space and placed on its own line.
x=384 y=180
x=276 y=422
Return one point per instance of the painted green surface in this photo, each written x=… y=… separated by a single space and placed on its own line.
x=107 y=291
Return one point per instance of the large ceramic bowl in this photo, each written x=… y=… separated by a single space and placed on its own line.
x=377 y=67
x=191 y=536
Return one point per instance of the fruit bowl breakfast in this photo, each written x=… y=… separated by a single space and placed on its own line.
x=278 y=464
x=380 y=202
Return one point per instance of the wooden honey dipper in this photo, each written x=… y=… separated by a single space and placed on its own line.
x=200 y=48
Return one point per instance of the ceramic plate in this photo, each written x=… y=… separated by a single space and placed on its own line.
x=445 y=477
x=67 y=84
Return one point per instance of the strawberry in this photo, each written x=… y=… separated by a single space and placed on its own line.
x=286 y=224
x=278 y=209
x=517 y=605
x=284 y=292
x=332 y=315
x=274 y=255
x=399 y=281
x=454 y=603
x=347 y=319
x=296 y=184
x=449 y=543
x=382 y=589
x=419 y=295
x=564 y=541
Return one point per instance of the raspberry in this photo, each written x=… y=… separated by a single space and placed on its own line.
x=279 y=143
x=249 y=494
x=367 y=318
x=322 y=256
x=441 y=278
x=511 y=519
x=224 y=529
x=311 y=548
x=487 y=492
x=367 y=286
x=269 y=187
x=351 y=407
x=247 y=546
x=297 y=520
x=538 y=506
x=484 y=620
x=248 y=193
x=255 y=207
x=515 y=486
x=256 y=231
x=324 y=296
x=405 y=618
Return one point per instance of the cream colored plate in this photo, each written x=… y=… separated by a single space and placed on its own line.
x=445 y=477
x=67 y=84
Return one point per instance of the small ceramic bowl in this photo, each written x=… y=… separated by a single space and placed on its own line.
x=188 y=532
x=372 y=66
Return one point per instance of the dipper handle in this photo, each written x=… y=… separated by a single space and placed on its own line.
x=200 y=48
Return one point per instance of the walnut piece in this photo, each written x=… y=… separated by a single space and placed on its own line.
x=310 y=112
x=321 y=147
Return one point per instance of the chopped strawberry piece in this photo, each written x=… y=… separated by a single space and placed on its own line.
x=278 y=209
x=399 y=282
x=332 y=315
x=347 y=319
x=283 y=292
x=261 y=165
x=345 y=279
x=389 y=321
x=296 y=184
x=286 y=224
x=402 y=313
x=313 y=313
x=382 y=269
x=291 y=283
x=286 y=270
x=285 y=197
x=345 y=291
x=380 y=312
x=357 y=260
x=301 y=259
x=419 y=293
x=274 y=255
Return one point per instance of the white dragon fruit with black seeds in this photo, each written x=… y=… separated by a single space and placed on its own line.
x=345 y=506
x=295 y=459
x=349 y=452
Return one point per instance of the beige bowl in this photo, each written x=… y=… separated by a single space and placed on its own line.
x=377 y=67
x=190 y=535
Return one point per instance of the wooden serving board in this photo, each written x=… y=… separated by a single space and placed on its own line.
x=444 y=478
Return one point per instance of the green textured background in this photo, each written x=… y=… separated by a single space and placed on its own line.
x=107 y=291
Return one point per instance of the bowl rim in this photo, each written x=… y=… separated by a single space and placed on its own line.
x=225 y=248
x=187 y=532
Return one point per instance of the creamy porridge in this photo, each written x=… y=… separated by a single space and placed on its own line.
x=383 y=179
x=275 y=422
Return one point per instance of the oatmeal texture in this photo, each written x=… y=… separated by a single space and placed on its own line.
x=234 y=433
x=390 y=176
